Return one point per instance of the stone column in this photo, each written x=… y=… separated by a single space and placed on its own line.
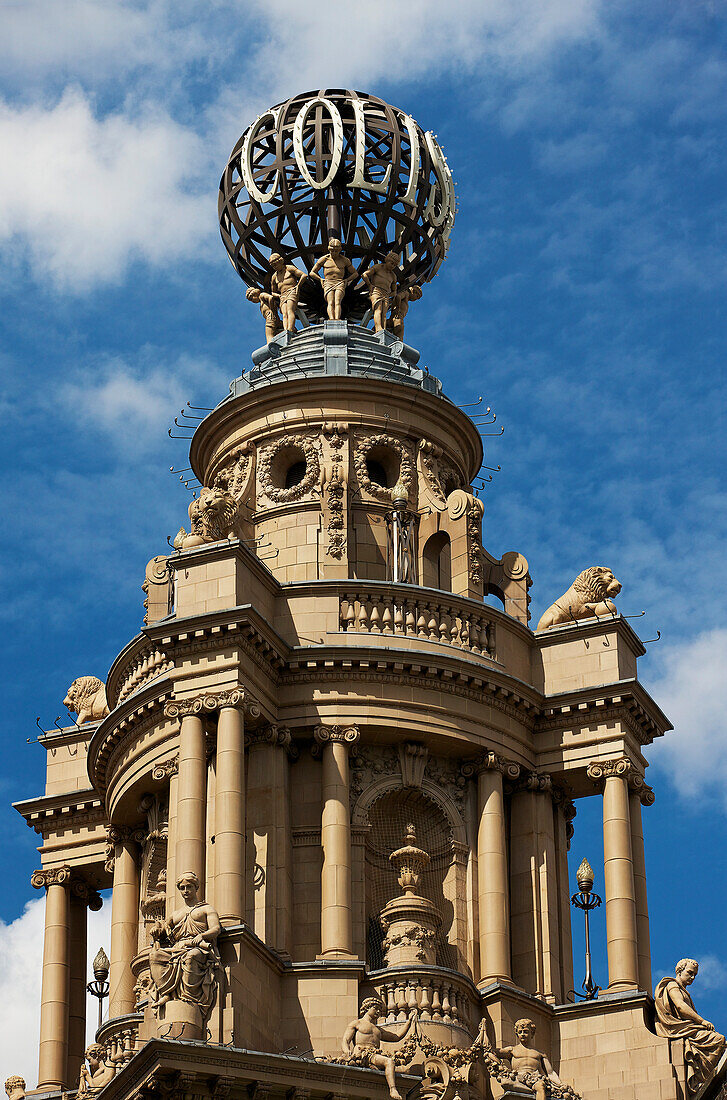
x=190 y=844
x=621 y=937
x=493 y=889
x=269 y=836
x=565 y=811
x=230 y=812
x=53 y=1049
x=124 y=919
x=336 y=913
x=83 y=897
x=641 y=795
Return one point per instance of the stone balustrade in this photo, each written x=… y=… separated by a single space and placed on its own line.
x=143 y=666
x=120 y=1038
x=439 y=995
x=371 y=608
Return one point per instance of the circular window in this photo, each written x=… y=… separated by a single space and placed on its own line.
x=382 y=466
x=288 y=468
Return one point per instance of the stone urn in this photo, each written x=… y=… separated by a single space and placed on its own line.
x=411 y=922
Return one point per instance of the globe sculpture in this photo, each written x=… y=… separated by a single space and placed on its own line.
x=336 y=164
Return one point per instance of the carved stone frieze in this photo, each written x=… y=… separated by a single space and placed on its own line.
x=369 y=764
x=310 y=447
x=51 y=876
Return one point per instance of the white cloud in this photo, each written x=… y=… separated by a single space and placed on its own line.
x=136 y=403
x=21 y=959
x=82 y=197
x=692 y=690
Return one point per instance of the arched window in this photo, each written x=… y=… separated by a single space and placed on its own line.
x=437 y=562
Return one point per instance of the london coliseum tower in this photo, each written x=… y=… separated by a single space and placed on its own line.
x=333 y=788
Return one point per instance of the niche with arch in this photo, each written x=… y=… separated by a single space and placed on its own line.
x=437 y=562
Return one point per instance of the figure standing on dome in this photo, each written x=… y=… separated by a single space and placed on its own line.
x=336 y=277
x=183 y=959
x=382 y=282
x=285 y=283
x=269 y=309
x=677 y=1018
x=400 y=307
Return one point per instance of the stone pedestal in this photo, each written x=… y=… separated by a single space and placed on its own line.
x=180 y=1020
x=410 y=921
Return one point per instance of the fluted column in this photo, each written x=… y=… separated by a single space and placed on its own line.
x=230 y=812
x=53 y=1048
x=124 y=919
x=493 y=891
x=336 y=913
x=83 y=897
x=641 y=795
x=621 y=936
x=191 y=839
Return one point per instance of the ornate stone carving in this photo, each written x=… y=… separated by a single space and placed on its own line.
x=412 y=761
x=338 y=272
x=269 y=309
x=157 y=588
x=598 y=771
x=15 y=1087
x=490 y=761
x=406 y=465
x=532 y=1067
x=438 y=477
x=677 y=1018
x=183 y=959
x=461 y=503
x=344 y=735
x=50 y=876
x=381 y=283
x=336 y=522
x=411 y=922
x=165 y=770
x=591 y=595
x=370 y=764
x=361 y=1044
x=278 y=494
x=86 y=697
x=235 y=477
x=118 y=834
x=446 y=773
x=98 y=1072
x=212 y=701
x=285 y=283
x=212 y=517
x=87 y=894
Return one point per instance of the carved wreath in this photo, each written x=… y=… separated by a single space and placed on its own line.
x=406 y=464
x=312 y=468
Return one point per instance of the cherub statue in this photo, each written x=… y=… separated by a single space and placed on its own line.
x=183 y=959
x=15 y=1087
x=362 y=1041
x=400 y=307
x=381 y=282
x=269 y=308
x=98 y=1072
x=285 y=283
x=338 y=272
x=531 y=1067
x=677 y=1018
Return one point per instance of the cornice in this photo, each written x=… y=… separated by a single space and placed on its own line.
x=124 y=724
x=625 y=700
x=79 y=808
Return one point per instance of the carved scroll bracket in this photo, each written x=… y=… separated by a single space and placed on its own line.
x=343 y=735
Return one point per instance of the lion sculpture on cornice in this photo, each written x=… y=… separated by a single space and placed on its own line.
x=86 y=697
x=591 y=595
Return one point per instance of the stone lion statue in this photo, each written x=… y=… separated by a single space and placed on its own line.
x=86 y=697
x=212 y=517
x=591 y=594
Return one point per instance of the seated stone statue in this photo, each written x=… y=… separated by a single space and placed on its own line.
x=677 y=1018
x=98 y=1072
x=183 y=959
x=362 y=1042
x=532 y=1067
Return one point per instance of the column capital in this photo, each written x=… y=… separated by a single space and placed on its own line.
x=85 y=893
x=342 y=735
x=51 y=876
x=535 y=781
x=165 y=770
x=639 y=786
x=121 y=834
x=488 y=761
x=209 y=702
x=598 y=771
x=272 y=734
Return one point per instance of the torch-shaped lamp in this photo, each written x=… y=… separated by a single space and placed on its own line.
x=100 y=987
x=587 y=901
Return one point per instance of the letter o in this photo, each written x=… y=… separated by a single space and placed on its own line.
x=298 y=126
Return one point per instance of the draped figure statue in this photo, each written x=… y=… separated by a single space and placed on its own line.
x=677 y=1018
x=183 y=959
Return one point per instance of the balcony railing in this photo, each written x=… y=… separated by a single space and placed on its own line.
x=439 y=995
x=418 y=613
x=143 y=667
x=120 y=1038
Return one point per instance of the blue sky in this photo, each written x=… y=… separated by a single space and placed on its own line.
x=583 y=296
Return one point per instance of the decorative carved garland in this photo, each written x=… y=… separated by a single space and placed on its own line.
x=234 y=475
x=310 y=448
x=437 y=470
x=364 y=446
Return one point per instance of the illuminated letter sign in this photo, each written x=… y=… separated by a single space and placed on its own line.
x=359 y=175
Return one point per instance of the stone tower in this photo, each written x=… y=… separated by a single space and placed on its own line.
x=337 y=765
